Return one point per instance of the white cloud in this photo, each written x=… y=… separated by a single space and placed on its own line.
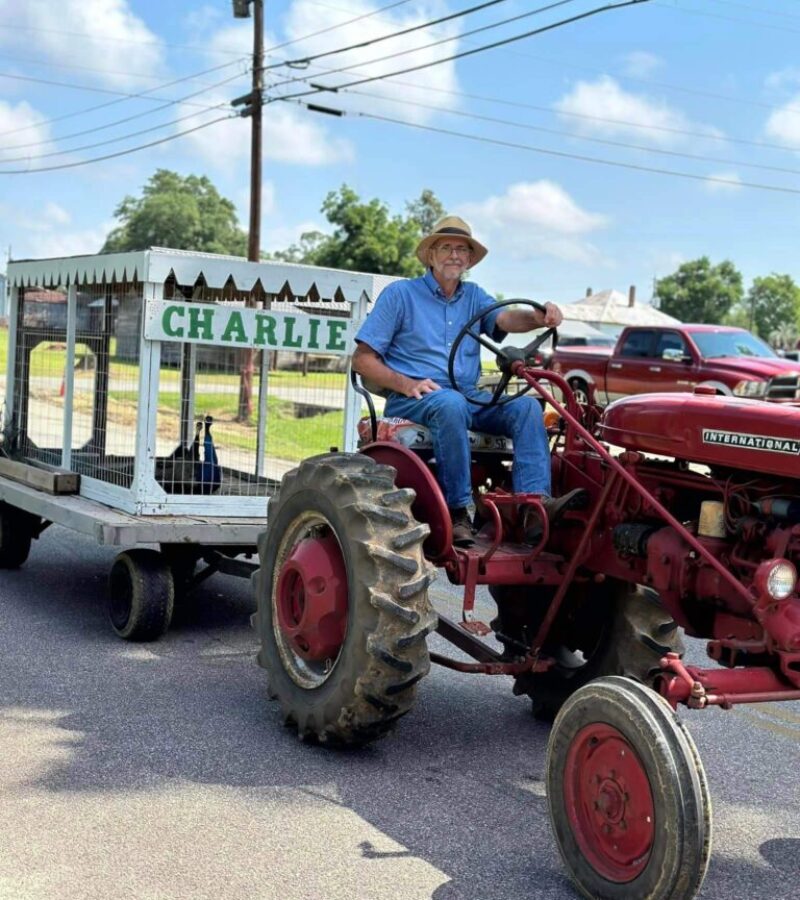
x=640 y=63
x=784 y=123
x=55 y=214
x=104 y=34
x=22 y=136
x=725 y=182
x=532 y=219
x=611 y=110
x=282 y=236
x=783 y=78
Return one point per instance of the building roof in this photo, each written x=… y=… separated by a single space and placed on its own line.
x=611 y=308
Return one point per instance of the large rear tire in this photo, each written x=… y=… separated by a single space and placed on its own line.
x=611 y=628
x=17 y=528
x=343 y=610
x=627 y=795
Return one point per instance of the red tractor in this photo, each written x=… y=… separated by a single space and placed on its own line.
x=694 y=526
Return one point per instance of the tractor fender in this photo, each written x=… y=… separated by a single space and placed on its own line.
x=429 y=506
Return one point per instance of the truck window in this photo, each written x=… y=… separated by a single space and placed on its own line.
x=637 y=344
x=671 y=340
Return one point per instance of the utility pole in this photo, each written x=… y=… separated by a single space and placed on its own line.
x=253 y=105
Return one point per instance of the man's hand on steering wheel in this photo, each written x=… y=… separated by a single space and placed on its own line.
x=548 y=313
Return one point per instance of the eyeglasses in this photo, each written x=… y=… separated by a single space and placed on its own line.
x=458 y=249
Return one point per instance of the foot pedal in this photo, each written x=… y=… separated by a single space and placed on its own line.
x=476 y=627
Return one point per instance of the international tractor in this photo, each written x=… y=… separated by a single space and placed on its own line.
x=691 y=524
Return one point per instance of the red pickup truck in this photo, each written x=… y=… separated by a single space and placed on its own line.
x=679 y=358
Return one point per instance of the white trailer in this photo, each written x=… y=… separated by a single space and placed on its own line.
x=154 y=400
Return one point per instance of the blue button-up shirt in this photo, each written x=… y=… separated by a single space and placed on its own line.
x=413 y=326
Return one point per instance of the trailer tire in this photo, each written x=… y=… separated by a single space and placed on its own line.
x=342 y=593
x=141 y=595
x=17 y=528
x=613 y=628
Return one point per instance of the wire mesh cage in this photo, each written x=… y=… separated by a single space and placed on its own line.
x=180 y=382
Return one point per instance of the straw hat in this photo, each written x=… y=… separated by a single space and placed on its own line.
x=451 y=227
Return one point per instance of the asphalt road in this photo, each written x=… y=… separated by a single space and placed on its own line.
x=162 y=771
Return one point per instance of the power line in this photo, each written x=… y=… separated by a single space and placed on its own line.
x=570 y=134
x=517 y=104
x=465 y=53
x=131 y=118
x=142 y=95
x=124 y=137
x=728 y=182
x=305 y=60
x=86 y=162
x=444 y=40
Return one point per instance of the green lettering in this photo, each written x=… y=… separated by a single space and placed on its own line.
x=234 y=330
x=200 y=321
x=166 y=321
x=289 y=339
x=313 y=331
x=336 y=327
x=265 y=331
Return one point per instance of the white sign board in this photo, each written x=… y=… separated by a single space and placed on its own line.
x=228 y=326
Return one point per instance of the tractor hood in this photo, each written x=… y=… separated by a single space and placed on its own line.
x=718 y=431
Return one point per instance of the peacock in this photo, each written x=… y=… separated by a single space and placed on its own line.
x=208 y=473
x=176 y=472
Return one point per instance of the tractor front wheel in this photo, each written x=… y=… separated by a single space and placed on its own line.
x=627 y=793
x=343 y=610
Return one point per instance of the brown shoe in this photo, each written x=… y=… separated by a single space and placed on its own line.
x=463 y=534
x=554 y=507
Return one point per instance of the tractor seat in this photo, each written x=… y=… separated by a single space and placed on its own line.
x=418 y=437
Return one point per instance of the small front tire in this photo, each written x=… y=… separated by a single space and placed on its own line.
x=17 y=528
x=627 y=795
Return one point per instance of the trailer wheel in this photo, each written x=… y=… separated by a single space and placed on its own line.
x=16 y=532
x=627 y=794
x=343 y=608
x=608 y=629
x=141 y=595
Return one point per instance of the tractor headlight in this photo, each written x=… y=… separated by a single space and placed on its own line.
x=777 y=577
x=750 y=389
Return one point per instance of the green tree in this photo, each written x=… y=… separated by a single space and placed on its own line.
x=185 y=213
x=772 y=301
x=366 y=237
x=700 y=292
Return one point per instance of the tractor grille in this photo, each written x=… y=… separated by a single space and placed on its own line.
x=784 y=387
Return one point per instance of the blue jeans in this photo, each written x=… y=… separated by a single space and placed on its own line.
x=449 y=416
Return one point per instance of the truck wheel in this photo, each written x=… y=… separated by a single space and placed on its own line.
x=608 y=629
x=627 y=795
x=343 y=608
x=141 y=595
x=17 y=528
x=581 y=390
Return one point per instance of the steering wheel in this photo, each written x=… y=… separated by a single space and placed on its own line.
x=505 y=355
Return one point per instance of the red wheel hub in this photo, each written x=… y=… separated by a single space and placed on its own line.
x=609 y=802
x=312 y=599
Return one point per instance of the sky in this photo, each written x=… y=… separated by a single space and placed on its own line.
x=598 y=154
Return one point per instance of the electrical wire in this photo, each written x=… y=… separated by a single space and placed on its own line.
x=131 y=118
x=86 y=162
x=465 y=53
x=444 y=40
x=728 y=182
x=573 y=135
x=305 y=60
x=143 y=94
